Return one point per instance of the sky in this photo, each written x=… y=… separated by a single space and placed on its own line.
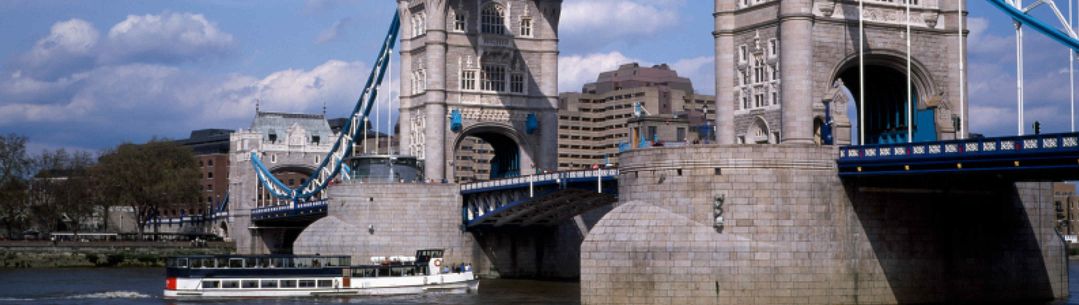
x=91 y=74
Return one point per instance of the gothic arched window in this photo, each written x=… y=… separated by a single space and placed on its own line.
x=492 y=20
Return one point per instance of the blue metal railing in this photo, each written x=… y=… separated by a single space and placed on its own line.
x=288 y=208
x=539 y=179
x=1060 y=142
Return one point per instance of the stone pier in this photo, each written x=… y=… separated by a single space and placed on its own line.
x=793 y=232
x=391 y=219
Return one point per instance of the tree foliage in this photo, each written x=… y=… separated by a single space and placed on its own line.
x=149 y=178
x=15 y=165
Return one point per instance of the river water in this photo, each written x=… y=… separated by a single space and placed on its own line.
x=122 y=286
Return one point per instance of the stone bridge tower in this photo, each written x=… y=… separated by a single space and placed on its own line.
x=480 y=68
x=291 y=145
x=779 y=62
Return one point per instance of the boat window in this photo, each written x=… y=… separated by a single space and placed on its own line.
x=222 y=262
x=236 y=263
x=196 y=263
x=230 y=284
x=269 y=283
x=181 y=262
x=277 y=262
x=250 y=284
x=365 y=272
x=325 y=283
x=307 y=283
x=263 y=262
x=211 y=284
x=207 y=263
x=170 y=262
x=288 y=283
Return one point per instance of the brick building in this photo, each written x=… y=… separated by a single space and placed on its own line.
x=211 y=148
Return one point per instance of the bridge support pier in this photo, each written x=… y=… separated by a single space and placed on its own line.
x=390 y=219
x=793 y=232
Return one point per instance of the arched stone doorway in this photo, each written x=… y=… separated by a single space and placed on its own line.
x=886 y=113
x=489 y=151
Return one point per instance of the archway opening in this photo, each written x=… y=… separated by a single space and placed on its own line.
x=886 y=105
x=482 y=156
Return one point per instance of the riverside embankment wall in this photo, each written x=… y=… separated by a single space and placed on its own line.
x=795 y=233
x=44 y=254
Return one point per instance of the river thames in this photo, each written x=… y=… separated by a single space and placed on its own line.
x=122 y=286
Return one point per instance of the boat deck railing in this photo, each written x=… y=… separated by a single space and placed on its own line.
x=258 y=262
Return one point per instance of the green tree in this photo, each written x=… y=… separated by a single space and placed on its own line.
x=47 y=187
x=149 y=178
x=15 y=165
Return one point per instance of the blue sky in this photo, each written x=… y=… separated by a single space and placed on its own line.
x=93 y=74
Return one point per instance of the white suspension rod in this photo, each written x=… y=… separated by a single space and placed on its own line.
x=910 y=91
x=861 y=72
x=1019 y=76
x=962 y=77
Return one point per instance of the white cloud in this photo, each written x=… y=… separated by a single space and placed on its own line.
x=576 y=70
x=597 y=22
x=168 y=37
x=69 y=46
x=336 y=83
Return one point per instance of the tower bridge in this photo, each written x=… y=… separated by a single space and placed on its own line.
x=873 y=193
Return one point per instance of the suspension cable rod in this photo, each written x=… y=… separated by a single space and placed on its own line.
x=910 y=94
x=962 y=76
x=861 y=72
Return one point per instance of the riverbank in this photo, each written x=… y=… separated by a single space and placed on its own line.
x=44 y=254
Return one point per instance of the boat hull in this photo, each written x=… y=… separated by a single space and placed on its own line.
x=458 y=283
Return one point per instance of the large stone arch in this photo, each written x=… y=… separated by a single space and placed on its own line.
x=885 y=77
x=499 y=136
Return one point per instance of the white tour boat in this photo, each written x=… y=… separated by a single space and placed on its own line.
x=195 y=277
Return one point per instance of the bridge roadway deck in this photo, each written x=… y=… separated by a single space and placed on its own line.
x=537 y=200
x=1044 y=157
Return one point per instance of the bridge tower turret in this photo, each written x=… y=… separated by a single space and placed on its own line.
x=780 y=62
x=480 y=68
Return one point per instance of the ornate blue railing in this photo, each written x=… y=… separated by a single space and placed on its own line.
x=290 y=210
x=1005 y=153
x=573 y=176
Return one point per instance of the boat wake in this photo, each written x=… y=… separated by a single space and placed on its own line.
x=95 y=295
x=110 y=295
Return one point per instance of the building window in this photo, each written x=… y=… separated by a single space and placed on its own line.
x=468 y=80
x=745 y=102
x=743 y=53
x=493 y=78
x=759 y=69
x=773 y=47
x=526 y=27
x=419 y=81
x=209 y=175
x=419 y=24
x=517 y=83
x=209 y=162
x=459 y=22
x=681 y=135
x=758 y=100
x=492 y=21
x=775 y=98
